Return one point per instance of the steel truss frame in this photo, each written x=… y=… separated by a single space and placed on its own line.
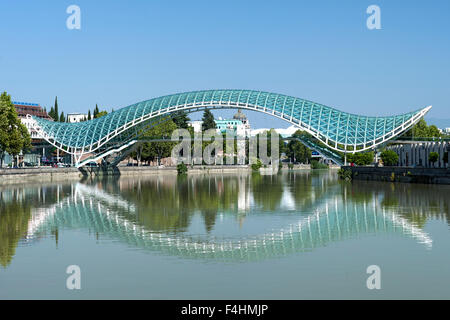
x=338 y=130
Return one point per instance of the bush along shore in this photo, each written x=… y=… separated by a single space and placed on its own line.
x=396 y=174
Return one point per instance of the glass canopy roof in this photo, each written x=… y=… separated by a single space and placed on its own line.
x=338 y=130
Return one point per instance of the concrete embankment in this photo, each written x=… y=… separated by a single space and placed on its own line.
x=145 y=170
x=12 y=176
x=401 y=174
x=200 y=169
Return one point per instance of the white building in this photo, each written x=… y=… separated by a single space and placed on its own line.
x=29 y=124
x=239 y=124
x=24 y=109
x=76 y=117
x=245 y=129
x=285 y=133
x=197 y=125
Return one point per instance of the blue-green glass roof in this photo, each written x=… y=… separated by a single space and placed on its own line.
x=328 y=124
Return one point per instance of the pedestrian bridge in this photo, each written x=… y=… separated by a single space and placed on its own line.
x=337 y=130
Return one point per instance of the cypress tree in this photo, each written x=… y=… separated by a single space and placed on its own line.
x=208 y=121
x=96 y=111
x=100 y=114
x=52 y=113
x=181 y=119
x=89 y=115
x=56 y=113
x=62 y=118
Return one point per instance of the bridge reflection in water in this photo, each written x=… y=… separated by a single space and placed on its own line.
x=334 y=218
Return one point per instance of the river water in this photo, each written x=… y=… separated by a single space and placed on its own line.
x=295 y=235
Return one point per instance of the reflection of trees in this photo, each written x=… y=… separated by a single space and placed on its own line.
x=14 y=216
x=157 y=202
x=307 y=187
x=414 y=202
x=267 y=190
x=16 y=203
x=357 y=193
x=168 y=203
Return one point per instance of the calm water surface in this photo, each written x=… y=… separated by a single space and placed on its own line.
x=290 y=236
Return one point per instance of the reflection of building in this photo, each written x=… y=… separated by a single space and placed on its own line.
x=90 y=208
x=243 y=201
x=76 y=117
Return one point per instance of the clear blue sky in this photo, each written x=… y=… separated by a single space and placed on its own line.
x=129 y=51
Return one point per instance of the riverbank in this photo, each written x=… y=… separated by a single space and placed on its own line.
x=47 y=174
x=401 y=174
x=13 y=176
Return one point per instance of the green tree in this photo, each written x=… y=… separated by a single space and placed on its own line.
x=389 y=157
x=422 y=130
x=361 y=158
x=14 y=136
x=62 y=118
x=433 y=131
x=55 y=115
x=208 y=121
x=433 y=157
x=100 y=114
x=96 y=111
x=181 y=119
x=20 y=141
x=182 y=169
x=52 y=113
x=318 y=165
x=89 y=117
x=157 y=150
x=296 y=150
